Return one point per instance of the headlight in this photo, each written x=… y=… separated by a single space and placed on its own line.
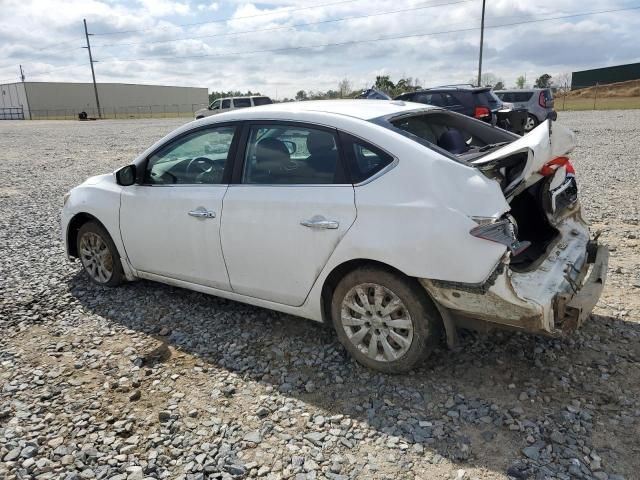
x=65 y=198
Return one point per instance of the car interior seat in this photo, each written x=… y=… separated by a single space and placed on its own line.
x=272 y=158
x=324 y=154
x=452 y=141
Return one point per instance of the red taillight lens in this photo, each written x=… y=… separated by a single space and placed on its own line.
x=551 y=167
x=541 y=100
x=481 y=112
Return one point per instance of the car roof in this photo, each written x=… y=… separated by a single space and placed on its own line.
x=362 y=109
x=525 y=90
x=244 y=96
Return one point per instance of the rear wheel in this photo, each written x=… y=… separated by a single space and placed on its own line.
x=531 y=123
x=99 y=255
x=384 y=320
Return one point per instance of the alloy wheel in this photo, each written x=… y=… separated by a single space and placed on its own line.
x=377 y=322
x=96 y=257
x=530 y=125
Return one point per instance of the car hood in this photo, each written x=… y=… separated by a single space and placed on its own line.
x=98 y=179
x=544 y=143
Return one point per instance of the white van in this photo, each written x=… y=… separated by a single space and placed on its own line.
x=231 y=103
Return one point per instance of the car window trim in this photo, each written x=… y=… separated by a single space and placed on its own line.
x=236 y=178
x=228 y=167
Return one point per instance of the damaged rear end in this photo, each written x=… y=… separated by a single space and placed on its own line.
x=552 y=273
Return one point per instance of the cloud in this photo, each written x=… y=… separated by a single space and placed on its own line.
x=161 y=41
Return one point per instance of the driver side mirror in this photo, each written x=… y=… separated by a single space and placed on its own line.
x=126 y=176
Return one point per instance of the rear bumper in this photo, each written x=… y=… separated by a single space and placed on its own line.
x=573 y=310
x=552 y=299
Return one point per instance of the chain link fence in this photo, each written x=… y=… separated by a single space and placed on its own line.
x=128 y=112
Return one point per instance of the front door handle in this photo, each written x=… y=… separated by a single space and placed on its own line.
x=320 y=222
x=202 y=212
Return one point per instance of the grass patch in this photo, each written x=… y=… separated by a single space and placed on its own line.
x=601 y=103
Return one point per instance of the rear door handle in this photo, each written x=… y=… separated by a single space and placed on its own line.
x=320 y=222
x=202 y=212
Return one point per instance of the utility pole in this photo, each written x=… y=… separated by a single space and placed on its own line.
x=481 y=43
x=91 y=62
x=26 y=97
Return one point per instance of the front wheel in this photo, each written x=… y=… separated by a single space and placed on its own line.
x=384 y=320
x=531 y=123
x=99 y=255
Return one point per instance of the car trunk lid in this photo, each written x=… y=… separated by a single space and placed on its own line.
x=527 y=156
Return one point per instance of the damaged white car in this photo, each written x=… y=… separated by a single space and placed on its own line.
x=393 y=222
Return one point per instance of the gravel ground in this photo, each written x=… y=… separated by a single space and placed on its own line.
x=150 y=381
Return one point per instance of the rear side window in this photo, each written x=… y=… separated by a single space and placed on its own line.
x=257 y=101
x=363 y=159
x=430 y=99
x=241 y=102
x=226 y=103
x=281 y=154
x=450 y=100
x=515 y=97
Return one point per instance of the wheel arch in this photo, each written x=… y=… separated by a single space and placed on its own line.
x=78 y=220
x=339 y=271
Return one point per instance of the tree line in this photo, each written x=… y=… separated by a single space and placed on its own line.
x=385 y=84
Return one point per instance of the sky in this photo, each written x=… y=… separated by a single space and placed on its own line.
x=282 y=46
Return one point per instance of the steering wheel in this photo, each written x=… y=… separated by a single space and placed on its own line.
x=202 y=166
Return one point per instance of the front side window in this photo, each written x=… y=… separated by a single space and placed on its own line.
x=293 y=155
x=197 y=158
x=226 y=103
x=215 y=105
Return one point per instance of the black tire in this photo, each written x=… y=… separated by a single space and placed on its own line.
x=115 y=273
x=423 y=315
x=199 y=117
x=531 y=123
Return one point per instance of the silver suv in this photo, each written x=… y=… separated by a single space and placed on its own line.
x=537 y=101
x=231 y=103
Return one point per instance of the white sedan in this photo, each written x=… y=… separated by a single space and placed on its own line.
x=393 y=222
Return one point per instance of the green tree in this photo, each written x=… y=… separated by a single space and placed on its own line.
x=384 y=83
x=520 y=81
x=499 y=85
x=301 y=95
x=543 y=81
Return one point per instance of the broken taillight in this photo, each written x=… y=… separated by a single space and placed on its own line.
x=542 y=101
x=503 y=232
x=481 y=112
x=550 y=167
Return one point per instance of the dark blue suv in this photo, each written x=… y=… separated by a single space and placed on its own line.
x=476 y=102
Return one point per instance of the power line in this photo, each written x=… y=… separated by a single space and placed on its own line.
x=221 y=20
x=286 y=27
x=379 y=39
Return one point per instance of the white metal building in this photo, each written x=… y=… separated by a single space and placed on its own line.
x=66 y=100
